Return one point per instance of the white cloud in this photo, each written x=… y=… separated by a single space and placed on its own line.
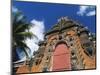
x=37 y=29
x=14 y=10
x=82 y=10
x=91 y=13
x=86 y=11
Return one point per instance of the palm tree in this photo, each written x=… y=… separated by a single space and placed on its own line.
x=20 y=33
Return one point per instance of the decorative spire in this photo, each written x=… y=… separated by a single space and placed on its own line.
x=63 y=19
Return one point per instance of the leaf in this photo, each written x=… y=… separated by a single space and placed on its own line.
x=23 y=46
x=25 y=34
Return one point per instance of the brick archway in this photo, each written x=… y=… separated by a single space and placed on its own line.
x=61 y=57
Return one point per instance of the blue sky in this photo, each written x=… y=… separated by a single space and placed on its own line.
x=50 y=13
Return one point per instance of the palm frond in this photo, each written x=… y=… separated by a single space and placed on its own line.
x=21 y=27
x=21 y=32
x=24 y=47
x=25 y=34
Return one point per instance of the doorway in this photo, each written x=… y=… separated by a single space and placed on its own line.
x=61 y=57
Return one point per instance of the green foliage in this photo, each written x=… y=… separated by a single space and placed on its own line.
x=21 y=32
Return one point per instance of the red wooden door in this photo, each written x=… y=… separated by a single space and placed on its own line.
x=61 y=58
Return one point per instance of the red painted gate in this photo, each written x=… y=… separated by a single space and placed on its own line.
x=61 y=58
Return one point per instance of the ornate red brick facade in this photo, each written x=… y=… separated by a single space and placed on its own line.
x=67 y=46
